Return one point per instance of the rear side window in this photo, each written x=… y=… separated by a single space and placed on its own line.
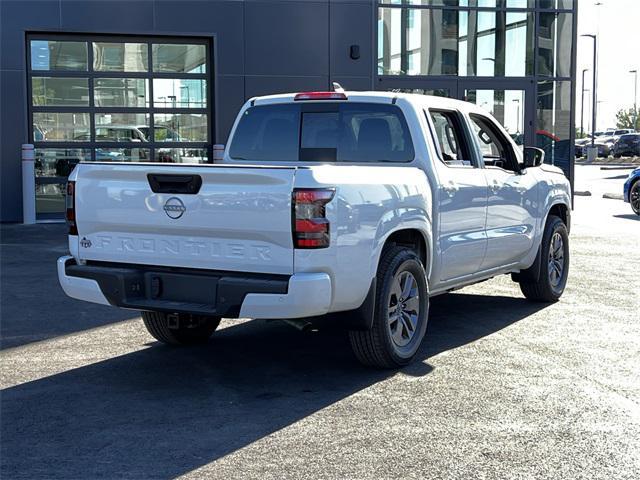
x=327 y=132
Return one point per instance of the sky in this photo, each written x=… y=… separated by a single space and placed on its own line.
x=617 y=24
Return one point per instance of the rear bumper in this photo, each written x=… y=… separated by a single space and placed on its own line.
x=224 y=294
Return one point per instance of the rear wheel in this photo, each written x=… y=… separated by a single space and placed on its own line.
x=634 y=197
x=401 y=312
x=180 y=329
x=554 y=267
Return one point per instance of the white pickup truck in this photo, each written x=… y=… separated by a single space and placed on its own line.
x=354 y=206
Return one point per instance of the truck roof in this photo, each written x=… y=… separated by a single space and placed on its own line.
x=430 y=101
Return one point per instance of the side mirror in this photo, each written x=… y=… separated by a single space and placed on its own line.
x=533 y=157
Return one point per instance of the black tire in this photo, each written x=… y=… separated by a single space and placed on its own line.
x=545 y=289
x=191 y=329
x=376 y=347
x=617 y=155
x=634 y=191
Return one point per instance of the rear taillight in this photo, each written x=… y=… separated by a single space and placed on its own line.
x=310 y=224
x=71 y=208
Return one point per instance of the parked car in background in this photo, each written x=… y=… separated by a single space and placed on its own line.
x=627 y=145
x=623 y=131
x=631 y=192
x=361 y=205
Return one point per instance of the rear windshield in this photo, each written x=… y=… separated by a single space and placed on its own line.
x=323 y=132
x=630 y=136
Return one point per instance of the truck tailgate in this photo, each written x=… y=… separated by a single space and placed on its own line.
x=239 y=220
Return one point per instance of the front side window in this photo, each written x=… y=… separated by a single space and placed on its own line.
x=448 y=135
x=496 y=149
x=346 y=132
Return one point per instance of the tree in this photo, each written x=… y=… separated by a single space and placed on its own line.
x=625 y=119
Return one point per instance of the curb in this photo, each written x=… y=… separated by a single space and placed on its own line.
x=612 y=196
x=579 y=193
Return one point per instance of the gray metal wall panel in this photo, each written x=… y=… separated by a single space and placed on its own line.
x=350 y=24
x=105 y=16
x=265 y=85
x=353 y=83
x=15 y=18
x=229 y=100
x=225 y=19
x=12 y=135
x=290 y=38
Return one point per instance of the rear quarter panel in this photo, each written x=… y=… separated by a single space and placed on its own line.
x=371 y=203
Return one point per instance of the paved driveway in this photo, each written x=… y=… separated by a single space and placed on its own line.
x=502 y=388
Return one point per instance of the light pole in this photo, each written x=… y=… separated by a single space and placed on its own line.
x=517 y=115
x=584 y=70
x=594 y=89
x=635 y=98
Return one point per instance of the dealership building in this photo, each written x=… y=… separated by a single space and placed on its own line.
x=162 y=80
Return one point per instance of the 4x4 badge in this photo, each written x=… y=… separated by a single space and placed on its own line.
x=85 y=242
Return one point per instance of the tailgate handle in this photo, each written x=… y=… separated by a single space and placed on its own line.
x=167 y=183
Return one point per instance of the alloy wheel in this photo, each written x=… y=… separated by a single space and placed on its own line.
x=403 y=308
x=556 y=260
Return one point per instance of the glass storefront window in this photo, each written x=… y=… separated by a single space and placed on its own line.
x=455 y=42
x=181 y=58
x=58 y=162
x=58 y=55
x=181 y=155
x=546 y=4
x=179 y=93
x=553 y=119
x=122 y=127
x=59 y=91
x=52 y=166
x=120 y=57
x=123 y=154
x=180 y=127
x=554 y=42
x=60 y=127
x=121 y=92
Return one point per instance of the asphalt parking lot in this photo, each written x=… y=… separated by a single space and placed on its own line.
x=503 y=388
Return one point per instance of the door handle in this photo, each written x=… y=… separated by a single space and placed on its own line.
x=494 y=186
x=451 y=188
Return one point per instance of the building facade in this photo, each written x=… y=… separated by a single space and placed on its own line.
x=162 y=80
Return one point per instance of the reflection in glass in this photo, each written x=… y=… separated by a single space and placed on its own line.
x=56 y=55
x=122 y=155
x=181 y=93
x=181 y=58
x=59 y=91
x=417 y=42
x=507 y=107
x=553 y=120
x=180 y=127
x=58 y=162
x=451 y=42
x=554 y=44
x=182 y=155
x=50 y=198
x=121 y=92
x=122 y=127
x=57 y=127
x=120 y=57
x=437 y=92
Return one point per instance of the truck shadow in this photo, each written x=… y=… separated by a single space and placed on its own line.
x=162 y=412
